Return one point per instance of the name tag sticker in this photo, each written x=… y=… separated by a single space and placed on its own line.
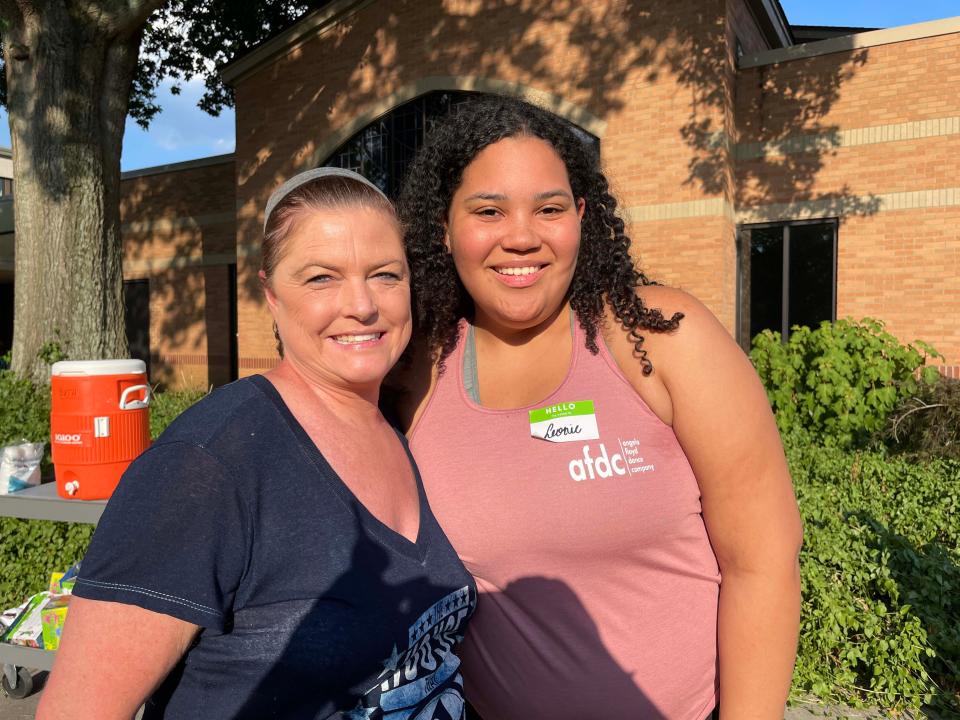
x=565 y=422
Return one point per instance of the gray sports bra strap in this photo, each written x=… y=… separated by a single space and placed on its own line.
x=471 y=384
x=471 y=381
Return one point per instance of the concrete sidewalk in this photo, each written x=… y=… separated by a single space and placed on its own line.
x=18 y=709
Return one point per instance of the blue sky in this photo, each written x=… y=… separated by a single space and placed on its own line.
x=184 y=132
x=181 y=131
x=868 y=13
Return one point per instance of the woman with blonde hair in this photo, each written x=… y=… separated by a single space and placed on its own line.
x=272 y=555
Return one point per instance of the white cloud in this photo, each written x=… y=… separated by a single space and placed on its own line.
x=181 y=131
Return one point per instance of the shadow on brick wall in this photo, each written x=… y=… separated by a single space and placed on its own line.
x=613 y=41
x=179 y=234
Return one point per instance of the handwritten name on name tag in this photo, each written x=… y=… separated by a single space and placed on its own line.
x=565 y=422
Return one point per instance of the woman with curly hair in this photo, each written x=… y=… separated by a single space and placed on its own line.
x=598 y=449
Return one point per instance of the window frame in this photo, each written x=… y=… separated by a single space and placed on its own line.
x=744 y=240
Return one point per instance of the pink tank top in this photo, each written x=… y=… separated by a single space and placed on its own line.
x=598 y=586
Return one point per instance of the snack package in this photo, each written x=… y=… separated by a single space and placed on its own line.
x=27 y=629
x=61 y=583
x=52 y=617
x=20 y=466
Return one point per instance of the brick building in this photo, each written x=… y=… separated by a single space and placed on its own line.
x=180 y=260
x=781 y=182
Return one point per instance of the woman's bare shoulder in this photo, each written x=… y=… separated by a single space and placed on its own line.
x=668 y=300
x=668 y=352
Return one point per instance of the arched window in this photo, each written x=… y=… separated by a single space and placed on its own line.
x=384 y=149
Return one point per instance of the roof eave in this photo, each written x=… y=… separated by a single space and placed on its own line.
x=874 y=38
x=773 y=22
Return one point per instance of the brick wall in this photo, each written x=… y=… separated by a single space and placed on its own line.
x=179 y=233
x=870 y=136
x=904 y=267
x=689 y=254
x=693 y=146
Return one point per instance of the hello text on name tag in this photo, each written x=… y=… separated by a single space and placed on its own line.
x=565 y=422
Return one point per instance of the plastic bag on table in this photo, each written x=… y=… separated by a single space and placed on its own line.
x=8 y=617
x=20 y=466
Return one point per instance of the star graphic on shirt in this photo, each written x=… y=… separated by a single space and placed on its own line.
x=359 y=712
x=392 y=663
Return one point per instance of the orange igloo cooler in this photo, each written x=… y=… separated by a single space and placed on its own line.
x=99 y=422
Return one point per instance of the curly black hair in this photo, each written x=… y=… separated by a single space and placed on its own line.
x=605 y=271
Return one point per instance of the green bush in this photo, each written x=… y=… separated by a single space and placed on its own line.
x=840 y=381
x=880 y=572
x=24 y=410
x=32 y=549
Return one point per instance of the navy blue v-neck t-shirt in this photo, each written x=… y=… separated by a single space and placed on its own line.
x=309 y=606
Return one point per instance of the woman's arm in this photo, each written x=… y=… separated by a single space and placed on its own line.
x=111 y=658
x=722 y=419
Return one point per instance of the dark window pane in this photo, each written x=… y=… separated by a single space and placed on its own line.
x=766 y=279
x=136 y=296
x=811 y=274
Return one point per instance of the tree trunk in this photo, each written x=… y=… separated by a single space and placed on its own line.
x=68 y=83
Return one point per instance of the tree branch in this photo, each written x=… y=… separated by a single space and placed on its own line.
x=117 y=19
x=896 y=423
x=134 y=17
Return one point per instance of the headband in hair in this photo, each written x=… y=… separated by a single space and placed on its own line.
x=297 y=180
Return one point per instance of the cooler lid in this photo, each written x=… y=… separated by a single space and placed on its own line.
x=98 y=367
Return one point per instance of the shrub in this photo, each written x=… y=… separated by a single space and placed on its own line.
x=880 y=574
x=928 y=424
x=24 y=410
x=840 y=381
x=32 y=549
